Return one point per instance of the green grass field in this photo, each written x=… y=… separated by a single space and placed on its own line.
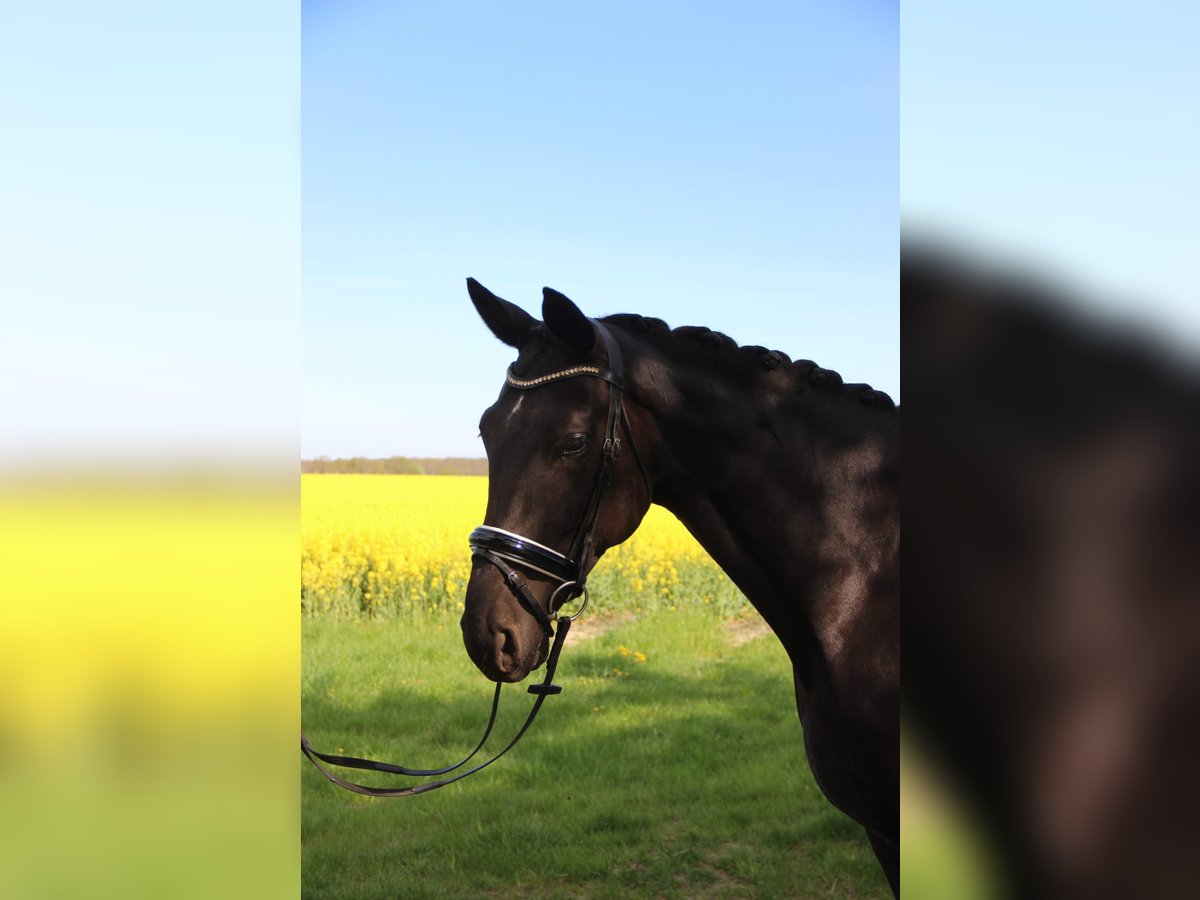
x=680 y=774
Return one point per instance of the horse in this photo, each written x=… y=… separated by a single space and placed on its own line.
x=787 y=477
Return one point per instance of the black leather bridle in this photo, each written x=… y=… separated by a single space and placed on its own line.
x=501 y=547
x=505 y=549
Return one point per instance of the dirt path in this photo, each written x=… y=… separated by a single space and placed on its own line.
x=740 y=630
x=746 y=628
x=589 y=627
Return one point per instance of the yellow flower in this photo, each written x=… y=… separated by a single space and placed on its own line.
x=624 y=651
x=639 y=656
x=394 y=545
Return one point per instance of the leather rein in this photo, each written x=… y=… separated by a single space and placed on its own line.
x=509 y=551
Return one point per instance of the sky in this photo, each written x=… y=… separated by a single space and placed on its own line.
x=1062 y=136
x=167 y=192
x=149 y=232
x=734 y=166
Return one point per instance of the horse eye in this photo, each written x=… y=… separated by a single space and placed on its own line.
x=574 y=444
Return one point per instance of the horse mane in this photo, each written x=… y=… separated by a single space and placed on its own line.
x=804 y=370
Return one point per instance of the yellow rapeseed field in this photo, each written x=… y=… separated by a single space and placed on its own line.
x=396 y=545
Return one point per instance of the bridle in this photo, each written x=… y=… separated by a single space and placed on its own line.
x=508 y=551
x=501 y=547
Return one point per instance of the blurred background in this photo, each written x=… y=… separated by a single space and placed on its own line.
x=149 y=278
x=1052 y=510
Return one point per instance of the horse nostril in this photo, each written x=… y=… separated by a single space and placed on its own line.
x=506 y=650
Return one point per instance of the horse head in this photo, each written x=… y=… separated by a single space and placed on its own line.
x=560 y=489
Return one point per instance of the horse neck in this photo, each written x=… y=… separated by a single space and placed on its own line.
x=792 y=490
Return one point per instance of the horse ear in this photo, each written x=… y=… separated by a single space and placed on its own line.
x=507 y=321
x=566 y=322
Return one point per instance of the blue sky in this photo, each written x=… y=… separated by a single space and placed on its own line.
x=149 y=231
x=727 y=165
x=1064 y=136
x=735 y=169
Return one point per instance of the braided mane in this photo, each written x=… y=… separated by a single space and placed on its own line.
x=766 y=360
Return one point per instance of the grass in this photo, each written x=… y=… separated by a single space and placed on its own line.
x=679 y=775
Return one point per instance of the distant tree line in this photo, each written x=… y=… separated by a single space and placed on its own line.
x=393 y=465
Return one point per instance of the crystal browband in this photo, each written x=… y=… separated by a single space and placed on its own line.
x=525 y=383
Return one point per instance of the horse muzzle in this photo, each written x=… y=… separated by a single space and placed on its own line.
x=500 y=637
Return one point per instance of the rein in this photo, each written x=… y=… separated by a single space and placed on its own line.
x=500 y=548
x=543 y=690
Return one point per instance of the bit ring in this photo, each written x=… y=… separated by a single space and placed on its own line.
x=582 y=591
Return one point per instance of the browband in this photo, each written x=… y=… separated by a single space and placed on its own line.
x=525 y=384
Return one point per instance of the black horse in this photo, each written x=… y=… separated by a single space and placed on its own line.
x=787 y=477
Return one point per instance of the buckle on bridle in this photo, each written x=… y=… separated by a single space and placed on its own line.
x=612 y=448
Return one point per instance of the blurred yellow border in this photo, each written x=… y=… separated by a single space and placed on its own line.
x=149 y=660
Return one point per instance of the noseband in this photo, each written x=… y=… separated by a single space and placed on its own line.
x=500 y=548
